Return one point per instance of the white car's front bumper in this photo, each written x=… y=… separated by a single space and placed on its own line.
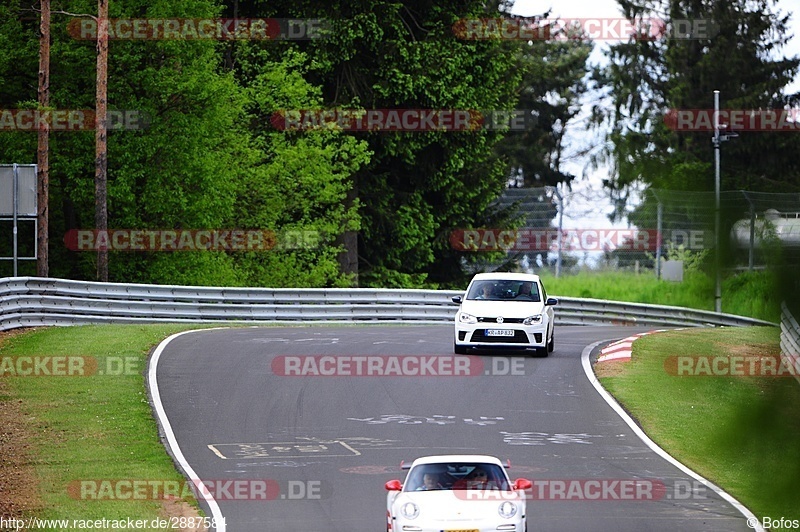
x=481 y=335
x=476 y=525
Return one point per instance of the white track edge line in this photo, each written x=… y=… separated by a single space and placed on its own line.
x=219 y=520
x=587 y=369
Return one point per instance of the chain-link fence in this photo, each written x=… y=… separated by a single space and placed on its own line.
x=566 y=231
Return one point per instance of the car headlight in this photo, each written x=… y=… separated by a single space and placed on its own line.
x=507 y=510
x=536 y=318
x=467 y=318
x=410 y=510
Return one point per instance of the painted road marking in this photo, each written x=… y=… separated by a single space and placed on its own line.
x=621 y=349
x=248 y=451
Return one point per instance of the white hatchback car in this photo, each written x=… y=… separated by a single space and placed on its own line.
x=505 y=310
x=464 y=493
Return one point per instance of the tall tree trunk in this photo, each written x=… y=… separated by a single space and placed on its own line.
x=43 y=148
x=101 y=153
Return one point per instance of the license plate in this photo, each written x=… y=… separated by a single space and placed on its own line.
x=499 y=332
x=462 y=530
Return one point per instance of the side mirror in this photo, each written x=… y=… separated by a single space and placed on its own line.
x=551 y=302
x=456 y=299
x=393 y=485
x=522 y=484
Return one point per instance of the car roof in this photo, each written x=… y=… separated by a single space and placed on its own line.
x=513 y=276
x=449 y=458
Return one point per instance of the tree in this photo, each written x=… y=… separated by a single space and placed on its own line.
x=645 y=78
x=197 y=165
x=553 y=82
x=417 y=187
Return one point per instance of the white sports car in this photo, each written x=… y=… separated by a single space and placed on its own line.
x=456 y=493
x=505 y=310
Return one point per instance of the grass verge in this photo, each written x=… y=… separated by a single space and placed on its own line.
x=77 y=427
x=753 y=294
x=742 y=433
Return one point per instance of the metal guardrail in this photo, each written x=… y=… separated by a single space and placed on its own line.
x=33 y=301
x=790 y=339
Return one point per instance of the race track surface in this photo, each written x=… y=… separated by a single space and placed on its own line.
x=284 y=449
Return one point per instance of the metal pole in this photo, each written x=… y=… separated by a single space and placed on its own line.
x=659 y=230
x=751 y=253
x=717 y=251
x=15 y=196
x=560 y=229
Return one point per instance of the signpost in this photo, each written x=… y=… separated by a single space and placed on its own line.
x=18 y=202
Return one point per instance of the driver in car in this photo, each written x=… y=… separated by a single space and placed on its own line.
x=525 y=290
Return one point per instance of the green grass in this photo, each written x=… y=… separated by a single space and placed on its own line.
x=746 y=294
x=743 y=433
x=97 y=427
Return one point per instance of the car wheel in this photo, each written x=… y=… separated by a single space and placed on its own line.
x=551 y=345
x=459 y=349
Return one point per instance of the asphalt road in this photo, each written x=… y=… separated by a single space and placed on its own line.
x=288 y=452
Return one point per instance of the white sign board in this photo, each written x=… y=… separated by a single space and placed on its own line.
x=26 y=190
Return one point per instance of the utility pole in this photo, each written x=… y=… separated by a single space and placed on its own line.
x=718 y=139
x=717 y=261
x=43 y=147
x=101 y=151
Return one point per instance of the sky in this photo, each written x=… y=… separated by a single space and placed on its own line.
x=588 y=204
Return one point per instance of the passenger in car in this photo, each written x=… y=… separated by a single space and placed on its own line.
x=475 y=480
x=479 y=479
x=486 y=292
x=430 y=481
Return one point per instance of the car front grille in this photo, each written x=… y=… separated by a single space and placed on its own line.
x=505 y=320
x=519 y=337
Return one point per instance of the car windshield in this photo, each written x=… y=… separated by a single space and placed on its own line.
x=456 y=476
x=505 y=290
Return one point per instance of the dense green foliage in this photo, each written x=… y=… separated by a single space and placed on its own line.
x=381 y=204
x=199 y=165
x=211 y=159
